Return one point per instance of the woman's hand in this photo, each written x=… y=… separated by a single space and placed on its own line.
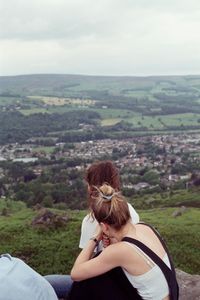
x=105 y=240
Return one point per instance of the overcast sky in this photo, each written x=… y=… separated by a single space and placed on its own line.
x=100 y=37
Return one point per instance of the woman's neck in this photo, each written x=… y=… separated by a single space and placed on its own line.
x=127 y=230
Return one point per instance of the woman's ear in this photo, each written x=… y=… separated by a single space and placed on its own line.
x=104 y=227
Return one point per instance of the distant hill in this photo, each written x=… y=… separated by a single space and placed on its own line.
x=130 y=105
x=81 y=85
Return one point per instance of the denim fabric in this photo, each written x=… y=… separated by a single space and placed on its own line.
x=61 y=284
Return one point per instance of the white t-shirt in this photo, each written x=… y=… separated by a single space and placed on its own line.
x=89 y=225
x=20 y=282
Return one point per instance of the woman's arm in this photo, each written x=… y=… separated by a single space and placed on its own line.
x=85 y=267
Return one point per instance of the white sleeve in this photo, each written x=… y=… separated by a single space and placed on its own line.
x=134 y=215
x=87 y=230
x=89 y=225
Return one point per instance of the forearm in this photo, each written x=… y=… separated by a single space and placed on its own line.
x=82 y=269
x=86 y=254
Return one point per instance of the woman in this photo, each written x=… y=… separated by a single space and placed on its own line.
x=112 y=213
x=96 y=175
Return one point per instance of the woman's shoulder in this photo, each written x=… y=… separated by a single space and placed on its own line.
x=120 y=248
x=88 y=219
x=120 y=252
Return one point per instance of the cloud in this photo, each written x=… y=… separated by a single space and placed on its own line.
x=100 y=37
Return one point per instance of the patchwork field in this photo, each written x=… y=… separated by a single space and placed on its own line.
x=154 y=102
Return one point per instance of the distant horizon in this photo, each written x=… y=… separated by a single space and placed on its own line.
x=102 y=75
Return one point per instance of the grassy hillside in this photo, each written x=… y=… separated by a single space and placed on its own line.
x=68 y=85
x=54 y=251
x=186 y=197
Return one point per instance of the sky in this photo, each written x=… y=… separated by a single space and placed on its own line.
x=100 y=37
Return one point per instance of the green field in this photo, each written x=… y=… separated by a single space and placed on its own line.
x=156 y=122
x=44 y=149
x=149 y=104
x=109 y=122
x=50 y=110
x=154 y=102
x=54 y=251
x=9 y=100
x=113 y=116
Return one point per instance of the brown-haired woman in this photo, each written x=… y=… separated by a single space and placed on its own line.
x=97 y=174
x=112 y=213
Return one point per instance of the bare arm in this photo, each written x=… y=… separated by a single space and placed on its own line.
x=85 y=267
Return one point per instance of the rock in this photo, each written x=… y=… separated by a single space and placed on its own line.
x=189 y=285
x=47 y=219
x=37 y=207
x=150 y=201
x=178 y=212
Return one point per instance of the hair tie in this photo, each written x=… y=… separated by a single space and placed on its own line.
x=108 y=197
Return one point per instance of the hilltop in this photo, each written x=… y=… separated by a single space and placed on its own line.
x=54 y=250
x=83 y=85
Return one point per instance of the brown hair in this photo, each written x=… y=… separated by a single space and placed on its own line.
x=99 y=173
x=110 y=207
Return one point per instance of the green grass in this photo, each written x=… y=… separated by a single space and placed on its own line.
x=181 y=234
x=52 y=109
x=11 y=206
x=109 y=122
x=35 y=110
x=167 y=199
x=54 y=251
x=9 y=100
x=107 y=113
x=46 y=251
x=156 y=122
x=48 y=150
x=178 y=119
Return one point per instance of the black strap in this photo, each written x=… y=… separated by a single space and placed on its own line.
x=163 y=244
x=168 y=273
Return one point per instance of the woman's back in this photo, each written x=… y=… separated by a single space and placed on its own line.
x=143 y=273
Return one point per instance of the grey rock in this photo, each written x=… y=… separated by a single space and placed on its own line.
x=178 y=212
x=189 y=285
x=47 y=219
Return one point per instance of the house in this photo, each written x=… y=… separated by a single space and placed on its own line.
x=141 y=185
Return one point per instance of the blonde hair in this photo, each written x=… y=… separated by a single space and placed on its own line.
x=110 y=207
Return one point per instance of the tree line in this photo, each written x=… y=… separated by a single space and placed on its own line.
x=16 y=127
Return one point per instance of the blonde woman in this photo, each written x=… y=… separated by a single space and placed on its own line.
x=151 y=274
